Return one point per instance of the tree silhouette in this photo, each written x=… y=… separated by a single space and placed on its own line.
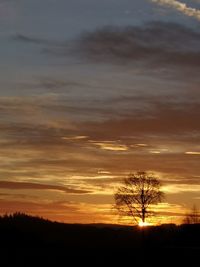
x=137 y=194
x=193 y=217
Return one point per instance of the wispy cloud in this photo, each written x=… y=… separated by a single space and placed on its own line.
x=74 y=138
x=36 y=186
x=182 y=7
x=193 y=153
x=28 y=39
x=110 y=145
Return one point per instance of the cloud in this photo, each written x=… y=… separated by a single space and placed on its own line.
x=75 y=138
x=35 y=148
x=110 y=145
x=156 y=44
x=157 y=121
x=24 y=38
x=193 y=180
x=192 y=153
x=36 y=186
x=182 y=7
x=28 y=39
x=47 y=46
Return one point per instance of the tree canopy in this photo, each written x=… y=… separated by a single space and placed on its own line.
x=137 y=194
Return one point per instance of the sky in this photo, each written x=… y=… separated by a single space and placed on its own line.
x=91 y=91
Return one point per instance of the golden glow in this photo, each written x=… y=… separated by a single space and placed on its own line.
x=192 y=153
x=178 y=188
x=103 y=172
x=113 y=146
x=74 y=138
x=142 y=145
x=155 y=152
x=143 y=224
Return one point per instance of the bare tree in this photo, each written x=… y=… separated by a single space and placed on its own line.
x=137 y=194
x=193 y=216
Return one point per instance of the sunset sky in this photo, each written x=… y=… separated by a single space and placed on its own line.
x=90 y=91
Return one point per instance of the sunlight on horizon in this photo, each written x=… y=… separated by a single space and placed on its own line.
x=143 y=224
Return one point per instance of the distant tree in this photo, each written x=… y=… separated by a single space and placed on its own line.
x=193 y=217
x=134 y=198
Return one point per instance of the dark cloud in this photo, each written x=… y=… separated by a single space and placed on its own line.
x=46 y=46
x=42 y=121
x=35 y=40
x=159 y=121
x=156 y=43
x=28 y=39
x=36 y=186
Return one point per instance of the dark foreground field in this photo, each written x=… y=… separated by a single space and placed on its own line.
x=31 y=241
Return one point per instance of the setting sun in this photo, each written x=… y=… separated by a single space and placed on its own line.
x=143 y=224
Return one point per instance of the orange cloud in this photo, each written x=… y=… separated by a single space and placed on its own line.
x=36 y=186
x=182 y=7
x=109 y=145
x=192 y=153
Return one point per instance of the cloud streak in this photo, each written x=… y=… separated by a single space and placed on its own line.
x=37 y=186
x=182 y=7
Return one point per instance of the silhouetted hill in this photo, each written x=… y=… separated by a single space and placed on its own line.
x=20 y=233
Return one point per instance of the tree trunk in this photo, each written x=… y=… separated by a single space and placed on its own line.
x=143 y=215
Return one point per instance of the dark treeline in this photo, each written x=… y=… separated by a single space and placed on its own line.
x=24 y=230
x=20 y=232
